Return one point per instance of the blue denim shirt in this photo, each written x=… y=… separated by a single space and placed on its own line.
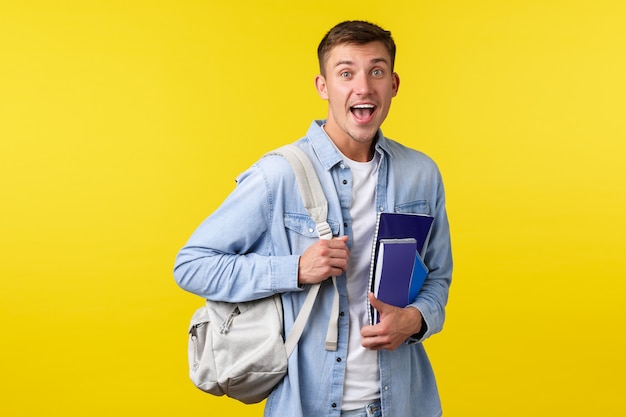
x=249 y=248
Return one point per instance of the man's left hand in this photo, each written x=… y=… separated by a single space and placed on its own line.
x=395 y=326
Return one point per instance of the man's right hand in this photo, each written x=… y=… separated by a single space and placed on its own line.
x=323 y=259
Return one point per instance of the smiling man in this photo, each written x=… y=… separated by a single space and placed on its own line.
x=260 y=242
x=358 y=81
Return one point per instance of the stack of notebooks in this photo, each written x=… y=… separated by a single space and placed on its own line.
x=397 y=269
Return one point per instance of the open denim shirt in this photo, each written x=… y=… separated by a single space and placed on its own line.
x=249 y=249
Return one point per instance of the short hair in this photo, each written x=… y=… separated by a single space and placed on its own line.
x=357 y=32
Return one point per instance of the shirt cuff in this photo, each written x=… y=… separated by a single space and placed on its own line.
x=285 y=273
x=419 y=336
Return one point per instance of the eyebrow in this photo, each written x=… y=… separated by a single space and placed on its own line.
x=372 y=61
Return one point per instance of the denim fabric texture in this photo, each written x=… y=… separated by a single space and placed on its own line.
x=249 y=248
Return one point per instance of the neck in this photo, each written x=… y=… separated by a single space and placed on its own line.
x=353 y=149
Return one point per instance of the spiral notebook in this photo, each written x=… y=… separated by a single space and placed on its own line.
x=397 y=269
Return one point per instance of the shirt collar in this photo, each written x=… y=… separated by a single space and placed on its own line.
x=326 y=150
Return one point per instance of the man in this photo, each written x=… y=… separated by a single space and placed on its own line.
x=260 y=242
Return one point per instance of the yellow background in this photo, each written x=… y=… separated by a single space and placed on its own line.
x=124 y=123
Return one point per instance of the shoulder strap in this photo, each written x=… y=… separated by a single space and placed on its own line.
x=310 y=187
x=317 y=207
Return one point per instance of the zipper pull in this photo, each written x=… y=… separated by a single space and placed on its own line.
x=229 y=321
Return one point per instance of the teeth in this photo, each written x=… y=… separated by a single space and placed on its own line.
x=364 y=106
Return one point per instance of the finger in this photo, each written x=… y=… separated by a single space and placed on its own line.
x=336 y=252
x=338 y=242
x=375 y=342
x=333 y=264
x=368 y=331
x=375 y=302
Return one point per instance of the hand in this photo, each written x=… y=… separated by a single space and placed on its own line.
x=323 y=259
x=395 y=326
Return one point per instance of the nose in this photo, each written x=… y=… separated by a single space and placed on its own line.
x=362 y=84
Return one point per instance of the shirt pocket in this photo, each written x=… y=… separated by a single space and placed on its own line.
x=301 y=231
x=414 y=207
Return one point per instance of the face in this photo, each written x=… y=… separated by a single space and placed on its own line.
x=359 y=85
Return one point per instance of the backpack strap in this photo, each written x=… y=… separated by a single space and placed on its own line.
x=317 y=207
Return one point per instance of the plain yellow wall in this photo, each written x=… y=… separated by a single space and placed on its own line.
x=124 y=123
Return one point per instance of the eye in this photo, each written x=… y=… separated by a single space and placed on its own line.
x=345 y=74
x=377 y=73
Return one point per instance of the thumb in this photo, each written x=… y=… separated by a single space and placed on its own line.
x=376 y=303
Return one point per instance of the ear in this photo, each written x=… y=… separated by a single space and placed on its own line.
x=395 y=83
x=320 y=86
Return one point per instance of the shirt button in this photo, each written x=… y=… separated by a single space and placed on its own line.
x=310 y=230
x=386 y=388
x=338 y=359
x=345 y=182
x=334 y=405
x=381 y=208
x=342 y=314
x=345 y=225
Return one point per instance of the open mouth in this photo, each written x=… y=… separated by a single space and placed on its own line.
x=363 y=112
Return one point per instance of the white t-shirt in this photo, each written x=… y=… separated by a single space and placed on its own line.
x=361 y=384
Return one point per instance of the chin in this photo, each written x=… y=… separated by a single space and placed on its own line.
x=363 y=136
x=362 y=139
